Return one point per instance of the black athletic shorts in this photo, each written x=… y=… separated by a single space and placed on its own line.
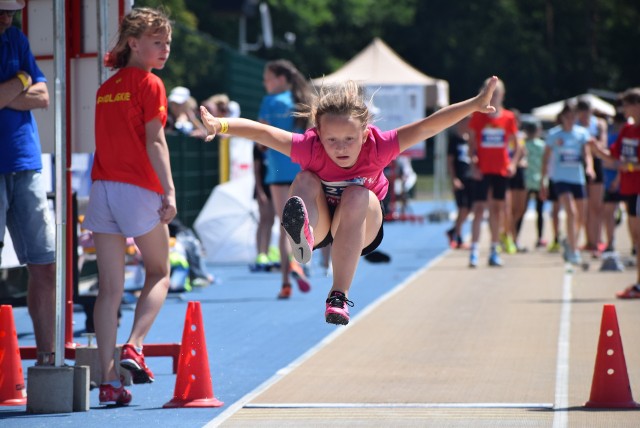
x=464 y=197
x=552 y=196
x=495 y=182
x=369 y=248
x=612 y=197
x=632 y=205
x=597 y=168
x=517 y=181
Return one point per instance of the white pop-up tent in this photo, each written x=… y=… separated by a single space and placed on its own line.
x=378 y=65
x=549 y=112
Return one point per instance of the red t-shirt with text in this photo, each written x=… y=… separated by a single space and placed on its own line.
x=626 y=149
x=124 y=104
x=492 y=135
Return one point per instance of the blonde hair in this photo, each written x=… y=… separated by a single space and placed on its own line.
x=344 y=99
x=138 y=22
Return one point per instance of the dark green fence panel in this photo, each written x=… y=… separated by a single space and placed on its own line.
x=195 y=166
x=243 y=81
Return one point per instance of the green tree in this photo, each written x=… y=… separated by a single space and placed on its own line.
x=544 y=49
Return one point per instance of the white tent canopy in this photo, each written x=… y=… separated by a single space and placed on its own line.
x=379 y=65
x=549 y=112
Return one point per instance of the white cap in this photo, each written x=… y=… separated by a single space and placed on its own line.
x=179 y=94
x=11 y=4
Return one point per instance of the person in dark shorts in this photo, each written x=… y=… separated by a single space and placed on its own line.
x=337 y=197
x=266 y=211
x=490 y=136
x=567 y=147
x=611 y=181
x=459 y=169
x=534 y=146
x=597 y=128
x=625 y=152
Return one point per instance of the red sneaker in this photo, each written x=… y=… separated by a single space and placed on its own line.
x=112 y=395
x=631 y=292
x=301 y=279
x=285 y=292
x=295 y=223
x=133 y=361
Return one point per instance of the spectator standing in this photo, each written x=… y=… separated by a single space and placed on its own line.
x=132 y=194
x=24 y=208
x=287 y=90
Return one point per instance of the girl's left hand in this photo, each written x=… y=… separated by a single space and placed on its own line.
x=209 y=122
x=484 y=97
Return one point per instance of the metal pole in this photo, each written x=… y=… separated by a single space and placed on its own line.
x=242 y=42
x=60 y=174
x=103 y=17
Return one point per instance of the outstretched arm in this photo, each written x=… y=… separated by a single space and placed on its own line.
x=410 y=134
x=267 y=135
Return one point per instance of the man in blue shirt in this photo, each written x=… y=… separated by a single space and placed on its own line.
x=24 y=209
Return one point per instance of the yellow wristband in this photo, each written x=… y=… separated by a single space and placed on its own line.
x=224 y=126
x=24 y=80
x=630 y=167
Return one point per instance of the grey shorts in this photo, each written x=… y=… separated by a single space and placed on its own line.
x=122 y=209
x=24 y=210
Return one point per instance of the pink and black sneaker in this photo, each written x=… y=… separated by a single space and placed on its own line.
x=337 y=311
x=133 y=361
x=295 y=222
x=297 y=272
x=110 y=395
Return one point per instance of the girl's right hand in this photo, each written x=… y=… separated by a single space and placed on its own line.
x=168 y=209
x=209 y=122
x=457 y=184
x=483 y=99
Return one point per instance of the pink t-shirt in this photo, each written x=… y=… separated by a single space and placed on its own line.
x=376 y=153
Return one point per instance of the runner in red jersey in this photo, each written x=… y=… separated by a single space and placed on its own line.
x=626 y=154
x=491 y=136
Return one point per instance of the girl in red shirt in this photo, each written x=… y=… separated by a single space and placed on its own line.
x=133 y=193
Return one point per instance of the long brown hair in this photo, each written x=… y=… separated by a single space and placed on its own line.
x=300 y=88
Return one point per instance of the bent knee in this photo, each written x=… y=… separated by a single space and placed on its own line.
x=356 y=195
x=307 y=178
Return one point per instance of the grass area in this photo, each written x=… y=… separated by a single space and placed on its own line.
x=424 y=189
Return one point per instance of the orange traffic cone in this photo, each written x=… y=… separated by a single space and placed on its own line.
x=193 y=382
x=610 y=387
x=12 y=390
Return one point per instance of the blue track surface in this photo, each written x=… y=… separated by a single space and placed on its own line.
x=250 y=335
